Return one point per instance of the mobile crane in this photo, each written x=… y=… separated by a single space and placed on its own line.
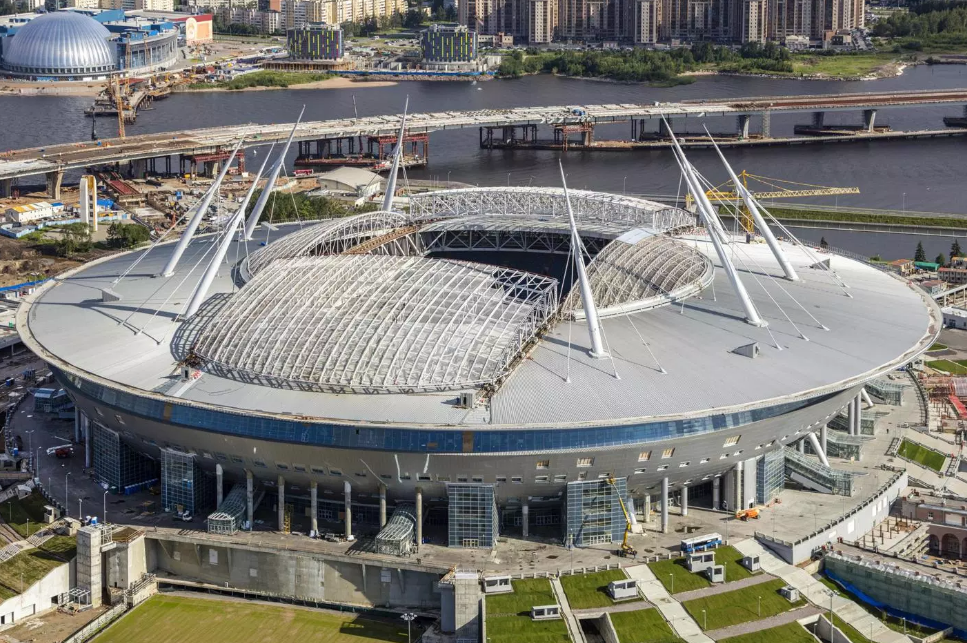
x=626 y=551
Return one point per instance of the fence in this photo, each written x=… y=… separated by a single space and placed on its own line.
x=95 y=626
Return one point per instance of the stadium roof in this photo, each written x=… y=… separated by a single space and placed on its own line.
x=360 y=323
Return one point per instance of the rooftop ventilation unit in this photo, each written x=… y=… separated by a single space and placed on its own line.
x=748 y=350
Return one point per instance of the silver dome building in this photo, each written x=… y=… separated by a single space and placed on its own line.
x=60 y=44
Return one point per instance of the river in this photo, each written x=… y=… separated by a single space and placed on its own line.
x=915 y=175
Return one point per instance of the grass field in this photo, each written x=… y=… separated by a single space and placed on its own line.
x=17 y=513
x=845 y=65
x=789 y=633
x=177 y=619
x=590 y=590
x=508 y=615
x=741 y=605
x=642 y=626
x=919 y=453
x=954 y=368
x=937 y=346
x=30 y=566
x=686 y=581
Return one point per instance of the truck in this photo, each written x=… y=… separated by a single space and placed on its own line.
x=747 y=514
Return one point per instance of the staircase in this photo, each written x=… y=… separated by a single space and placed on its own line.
x=814 y=475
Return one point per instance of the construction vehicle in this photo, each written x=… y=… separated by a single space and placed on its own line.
x=626 y=551
x=747 y=514
x=775 y=189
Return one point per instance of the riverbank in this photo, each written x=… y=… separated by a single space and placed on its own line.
x=60 y=88
x=289 y=80
x=912 y=220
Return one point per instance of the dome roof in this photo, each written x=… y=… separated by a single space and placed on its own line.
x=64 y=43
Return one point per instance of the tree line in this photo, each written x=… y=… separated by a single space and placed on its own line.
x=920 y=255
x=925 y=20
x=286 y=206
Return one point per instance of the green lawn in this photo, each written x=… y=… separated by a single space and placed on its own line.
x=789 y=633
x=16 y=513
x=590 y=590
x=741 y=605
x=508 y=615
x=954 y=368
x=851 y=632
x=686 y=581
x=30 y=566
x=919 y=453
x=176 y=619
x=937 y=346
x=844 y=65
x=642 y=626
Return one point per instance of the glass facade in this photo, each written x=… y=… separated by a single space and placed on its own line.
x=117 y=465
x=419 y=440
x=231 y=514
x=770 y=476
x=315 y=42
x=593 y=512
x=472 y=515
x=184 y=485
x=445 y=44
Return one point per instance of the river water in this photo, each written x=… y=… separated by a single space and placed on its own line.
x=916 y=175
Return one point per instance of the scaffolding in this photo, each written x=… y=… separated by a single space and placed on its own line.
x=185 y=487
x=472 y=515
x=593 y=513
x=396 y=538
x=770 y=476
x=118 y=465
x=230 y=516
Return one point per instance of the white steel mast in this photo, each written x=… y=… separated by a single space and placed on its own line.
x=206 y=200
x=206 y=281
x=394 y=169
x=587 y=299
x=253 y=218
x=757 y=216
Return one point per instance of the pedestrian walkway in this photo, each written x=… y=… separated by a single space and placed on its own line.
x=820 y=595
x=722 y=588
x=573 y=627
x=763 y=624
x=672 y=611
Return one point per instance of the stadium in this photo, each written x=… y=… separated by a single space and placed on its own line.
x=458 y=364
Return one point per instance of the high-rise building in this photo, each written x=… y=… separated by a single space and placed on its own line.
x=449 y=44
x=753 y=21
x=315 y=42
x=647 y=20
x=542 y=21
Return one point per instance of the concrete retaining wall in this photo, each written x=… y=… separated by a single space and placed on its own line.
x=89 y=630
x=294 y=574
x=606 y=627
x=38 y=598
x=856 y=523
x=826 y=631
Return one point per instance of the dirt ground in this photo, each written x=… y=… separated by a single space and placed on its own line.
x=19 y=262
x=52 y=627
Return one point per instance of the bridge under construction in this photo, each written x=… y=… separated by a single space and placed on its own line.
x=504 y=128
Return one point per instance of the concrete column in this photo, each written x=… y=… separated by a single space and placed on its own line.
x=743 y=121
x=684 y=500
x=737 y=502
x=818 y=119
x=866 y=398
x=348 y=510
x=869 y=119
x=664 y=129
x=419 y=517
x=382 y=506
x=716 y=493
x=219 y=489
x=77 y=425
x=766 y=124
x=801 y=446
x=314 y=505
x=88 y=563
x=250 y=498
x=664 y=505
x=54 y=179
x=6 y=188
x=281 y=503
x=525 y=519
x=88 y=444
x=646 y=510
x=823 y=433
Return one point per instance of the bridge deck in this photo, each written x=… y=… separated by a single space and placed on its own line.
x=53 y=158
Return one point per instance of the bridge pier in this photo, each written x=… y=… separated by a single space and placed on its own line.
x=138 y=168
x=6 y=188
x=869 y=118
x=665 y=127
x=818 y=119
x=743 y=121
x=54 y=179
x=766 y=125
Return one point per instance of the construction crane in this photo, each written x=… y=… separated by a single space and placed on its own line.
x=780 y=189
x=118 y=103
x=626 y=551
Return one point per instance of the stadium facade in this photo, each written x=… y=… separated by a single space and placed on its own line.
x=440 y=360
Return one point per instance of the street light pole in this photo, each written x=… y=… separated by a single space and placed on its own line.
x=104 y=510
x=672 y=576
x=67 y=508
x=408 y=617
x=704 y=620
x=37 y=465
x=760 y=607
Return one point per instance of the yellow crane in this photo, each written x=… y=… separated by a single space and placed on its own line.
x=118 y=103
x=626 y=551
x=775 y=189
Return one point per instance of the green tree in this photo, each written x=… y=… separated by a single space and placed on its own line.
x=75 y=237
x=127 y=236
x=823 y=243
x=941 y=260
x=920 y=254
x=955 y=249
